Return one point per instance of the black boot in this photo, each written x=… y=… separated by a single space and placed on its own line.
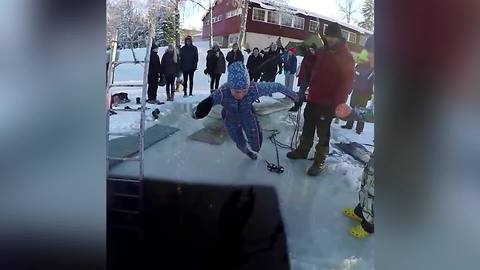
x=301 y=152
x=348 y=125
x=295 y=108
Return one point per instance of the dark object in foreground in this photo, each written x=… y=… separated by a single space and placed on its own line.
x=201 y=227
x=356 y=150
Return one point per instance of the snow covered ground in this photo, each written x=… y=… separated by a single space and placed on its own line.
x=317 y=232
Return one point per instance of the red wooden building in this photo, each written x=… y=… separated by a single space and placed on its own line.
x=266 y=23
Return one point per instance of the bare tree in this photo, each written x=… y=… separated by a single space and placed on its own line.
x=347 y=8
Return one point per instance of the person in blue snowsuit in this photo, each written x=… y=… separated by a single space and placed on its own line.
x=237 y=97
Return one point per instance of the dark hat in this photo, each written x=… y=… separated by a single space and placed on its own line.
x=154 y=46
x=370 y=44
x=333 y=30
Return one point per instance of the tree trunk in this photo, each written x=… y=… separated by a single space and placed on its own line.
x=211 y=24
x=243 y=24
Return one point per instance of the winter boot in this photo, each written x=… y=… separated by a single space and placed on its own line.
x=319 y=160
x=169 y=96
x=252 y=155
x=301 y=152
x=172 y=96
x=348 y=125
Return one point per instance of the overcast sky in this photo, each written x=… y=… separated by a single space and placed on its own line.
x=191 y=15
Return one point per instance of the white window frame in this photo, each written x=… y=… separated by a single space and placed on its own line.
x=275 y=12
x=264 y=15
x=286 y=15
x=352 y=37
x=220 y=17
x=324 y=28
x=312 y=23
x=301 y=19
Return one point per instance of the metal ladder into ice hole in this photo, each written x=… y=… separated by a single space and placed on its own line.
x=126 y=194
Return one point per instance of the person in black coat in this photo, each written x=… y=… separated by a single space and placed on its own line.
x=254 y=64
x=272 y=64
x=362 y=91
x=235 y=55
x=170 y=69
x=188 y=63
x=154 y=69
x=215 y=66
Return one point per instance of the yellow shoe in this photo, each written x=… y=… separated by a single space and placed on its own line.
x=349 y=212
x=358 y=232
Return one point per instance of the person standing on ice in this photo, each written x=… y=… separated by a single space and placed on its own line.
x=235 y=55
x=170 y=69
x=237 y=97
x=272 y=64
x=154 y=69
x=362 y=91
x=304 y=74
x=363 y=212
x=253 y=65
x=215 y=66
x=188 y=64
x=331 y=83
x=290 y=67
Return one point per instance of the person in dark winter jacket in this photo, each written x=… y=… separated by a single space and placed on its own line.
x=237 y=97
x=215 y=66
x=253 y=65
x=170 y=69
x=330 y=85
x=290 y=67
x=272 y=64
x=304 y=74
x=235 y=55
x=188 y=64
x=154 y=69
x=362 y=89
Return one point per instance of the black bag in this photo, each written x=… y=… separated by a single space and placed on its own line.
x=120 y=98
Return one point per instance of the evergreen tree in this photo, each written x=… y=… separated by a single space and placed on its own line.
x=168 y=29
x=368 y=15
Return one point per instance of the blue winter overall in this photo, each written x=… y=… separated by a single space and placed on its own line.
x=239 y=115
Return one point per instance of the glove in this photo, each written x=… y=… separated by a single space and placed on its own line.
x=343 y=111
x=205 y=71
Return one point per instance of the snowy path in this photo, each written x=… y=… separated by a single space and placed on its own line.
x=317 y=232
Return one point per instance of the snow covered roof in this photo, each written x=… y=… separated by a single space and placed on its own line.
x=266 y=5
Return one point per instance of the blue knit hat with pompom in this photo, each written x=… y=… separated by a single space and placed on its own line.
x=238 y=77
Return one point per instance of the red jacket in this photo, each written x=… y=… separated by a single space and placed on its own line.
x=332 y=77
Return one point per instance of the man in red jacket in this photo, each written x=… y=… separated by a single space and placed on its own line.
x=330 y=85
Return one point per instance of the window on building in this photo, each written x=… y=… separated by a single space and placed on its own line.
x=352 y=38
x=345 y=34
x=233 y=13
x=313 y=27
x=220 y=17
x=299 y=23
x=286 y=20
x=233 y=38
x=259 y=14
x=325 y=28
x=273 y=17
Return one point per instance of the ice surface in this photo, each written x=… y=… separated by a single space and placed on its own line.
x=317 y=232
